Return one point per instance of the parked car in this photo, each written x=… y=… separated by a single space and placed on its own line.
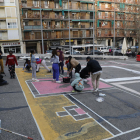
x=74 y=52
x=103 y=49
x=116 y=51
x=48 y=51
x=95 y=52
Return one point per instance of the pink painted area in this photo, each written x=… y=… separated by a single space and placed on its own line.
x=48 y=87
x=80 y=111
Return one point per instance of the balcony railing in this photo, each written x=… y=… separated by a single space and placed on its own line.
x=54 y=36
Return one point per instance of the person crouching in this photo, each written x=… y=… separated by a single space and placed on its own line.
x=77 y=84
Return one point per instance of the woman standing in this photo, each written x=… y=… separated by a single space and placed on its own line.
x=33 y=65
x=55 y=66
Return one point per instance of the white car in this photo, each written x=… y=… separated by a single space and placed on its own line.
x=103 y=49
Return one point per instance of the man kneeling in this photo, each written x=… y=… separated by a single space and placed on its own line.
x=77 y=84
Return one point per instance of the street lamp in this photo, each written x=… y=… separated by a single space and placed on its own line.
x=41 y=29
x=69 y=28
x=114 y=27
x=93 y=27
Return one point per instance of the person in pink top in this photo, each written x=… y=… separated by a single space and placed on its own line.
x=43 y=63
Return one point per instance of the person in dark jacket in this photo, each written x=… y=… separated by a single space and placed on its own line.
x=95 y=70
x=84 y=74
x=2 y=82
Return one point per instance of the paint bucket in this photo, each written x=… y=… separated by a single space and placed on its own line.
x=66 y=79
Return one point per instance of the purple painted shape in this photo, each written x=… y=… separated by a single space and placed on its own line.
x=80 y=111
x=48 y=87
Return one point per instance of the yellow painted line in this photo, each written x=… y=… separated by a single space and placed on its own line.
x=53 y=127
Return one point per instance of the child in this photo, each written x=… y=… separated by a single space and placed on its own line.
x=77 y=84
x=11 y=60
x=33 y=65
x=55 y=66
x=27 y=65
x=43 y=63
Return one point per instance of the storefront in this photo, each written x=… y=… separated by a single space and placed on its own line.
x=14 y=46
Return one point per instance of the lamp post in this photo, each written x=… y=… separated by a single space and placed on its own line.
x=114 y=27
x=93 y=27
x=69 y=28
x=41 y=29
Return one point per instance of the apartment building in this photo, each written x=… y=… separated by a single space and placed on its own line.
x=123 y=14
x=55 y=21
x=10 y=32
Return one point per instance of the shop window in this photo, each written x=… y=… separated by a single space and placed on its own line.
x=56 y=5
x=46 y=3
x=64 y=5
x=106 y=5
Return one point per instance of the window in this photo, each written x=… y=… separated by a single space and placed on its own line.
x=12 y=25
x=118 y=24
x=106 y=5
x=36 y=3
x=106 y=14
x=11 y=12
x=64 y=5
x=46 y=3
x=56 y=5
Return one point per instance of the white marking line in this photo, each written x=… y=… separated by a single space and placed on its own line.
x=30 y=110
x=136 y=138
x=30 y=89
x=129 y=131
x=61 y=116
x=119 y=63
x=35 y=88
x=126 y=88
x=95 y=120
x=121 y=79
x=97 y=114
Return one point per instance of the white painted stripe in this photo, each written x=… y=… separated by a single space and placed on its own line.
x=35 y=88
x=121 y=79
x=31 y=111
x=138 y=138
x=129 y=131
x=95 y=120
x=96 y=114
x=30 y=89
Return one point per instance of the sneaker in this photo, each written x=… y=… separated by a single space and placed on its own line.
x=36 y=80
x=49 y=71
x=85 y=80
x=54 y=80
x=101 y=94
x=33 y=79
x=96 y=89
x=37 y=71
x=58 y=81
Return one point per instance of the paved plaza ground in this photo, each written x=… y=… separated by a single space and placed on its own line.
x=46 y=110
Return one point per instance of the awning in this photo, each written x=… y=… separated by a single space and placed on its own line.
x=36 y=9
x=47 y=9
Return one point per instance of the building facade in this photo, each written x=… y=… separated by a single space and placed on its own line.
x=55 y=22
x=10 y=32
x=124 y=15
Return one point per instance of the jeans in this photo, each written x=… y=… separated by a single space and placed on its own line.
x=55 y=68
x=33 y=70
x=12 y=70
x=68 y=67
x=61 y=64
